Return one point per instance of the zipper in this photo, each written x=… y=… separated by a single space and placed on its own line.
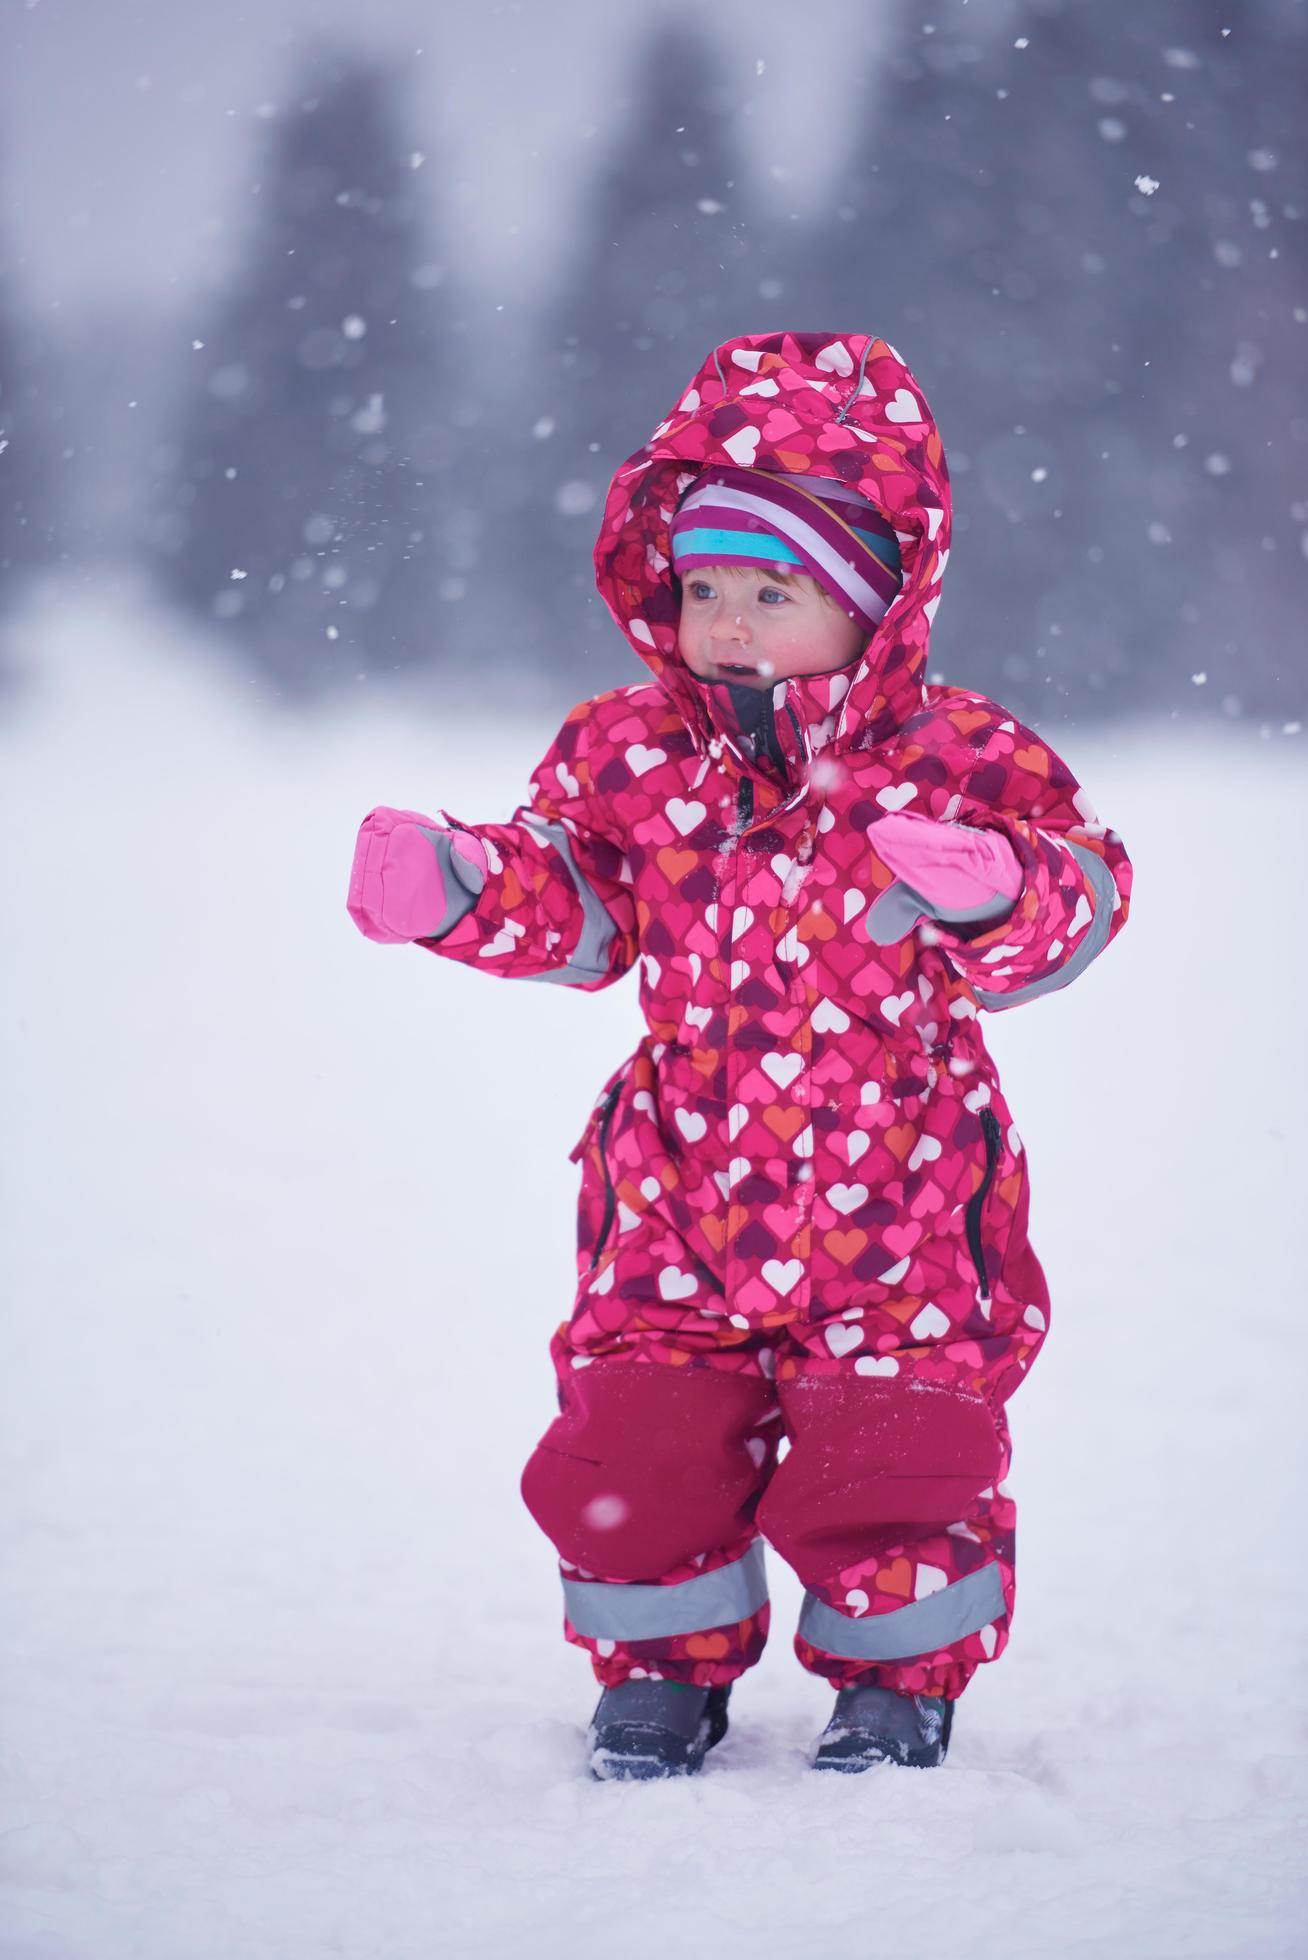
x=972 y=1216
x=607 y=1108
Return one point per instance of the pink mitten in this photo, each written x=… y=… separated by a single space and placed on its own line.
x=949 y=871
x=412 y=878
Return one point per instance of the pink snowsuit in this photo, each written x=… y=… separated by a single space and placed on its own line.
x=803 y=1205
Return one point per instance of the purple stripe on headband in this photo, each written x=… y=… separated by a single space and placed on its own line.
x=833 y=491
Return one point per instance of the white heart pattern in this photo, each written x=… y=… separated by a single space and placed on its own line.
x=929 y=1323
x=845 y=1198
x=676 y=1285
x=691 y=1124
x=782 y=1069
x=639 y=758
x=843 y=1336
x=685 y=816
x=742 y=447
x=830 y=1019
x=876 y=1364
x=895 y=796
x=904 y=407
x=782 y=1274
x=834 y=358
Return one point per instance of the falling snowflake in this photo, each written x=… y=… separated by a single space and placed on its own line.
x=1146 y=185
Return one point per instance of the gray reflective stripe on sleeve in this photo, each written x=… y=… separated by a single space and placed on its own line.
x=589 y=960
x=711 y=1599
x=897 y=910
x=463 y=882
x=1104 y=892
x=893 y=913
x=922 y=1628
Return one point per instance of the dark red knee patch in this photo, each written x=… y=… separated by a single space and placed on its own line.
x=869 y=1458
x=647 y=1467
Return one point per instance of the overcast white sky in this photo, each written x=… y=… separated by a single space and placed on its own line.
x=129 y=128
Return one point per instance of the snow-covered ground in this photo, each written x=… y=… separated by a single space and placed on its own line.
x=280 y=1660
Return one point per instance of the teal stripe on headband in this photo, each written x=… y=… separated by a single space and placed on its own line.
x=886 y=549
x=720 y=545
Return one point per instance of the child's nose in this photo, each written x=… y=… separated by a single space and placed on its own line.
x=728 y=626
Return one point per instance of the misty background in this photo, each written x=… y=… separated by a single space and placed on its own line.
x=327 y=331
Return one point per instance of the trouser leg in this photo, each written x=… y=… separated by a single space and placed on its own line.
x=889 y=1508
x=647 y=1485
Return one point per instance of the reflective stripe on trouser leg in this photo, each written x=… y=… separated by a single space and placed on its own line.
x=600 y=1611
x=923 y=1627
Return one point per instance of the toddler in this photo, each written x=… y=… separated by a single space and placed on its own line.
x=803 y=1209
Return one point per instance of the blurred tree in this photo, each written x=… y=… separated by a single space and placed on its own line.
x=674 y=255
x=28 y=533
x=1231 y=318
x=1027 y=214
x=303 y=506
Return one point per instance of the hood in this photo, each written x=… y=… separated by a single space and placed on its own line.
x=838 y=405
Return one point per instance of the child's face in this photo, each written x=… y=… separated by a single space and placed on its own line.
x=742 y=623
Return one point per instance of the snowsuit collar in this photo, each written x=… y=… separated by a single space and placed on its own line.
x=840 y=405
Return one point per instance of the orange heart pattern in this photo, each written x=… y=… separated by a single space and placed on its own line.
x=811 y=1132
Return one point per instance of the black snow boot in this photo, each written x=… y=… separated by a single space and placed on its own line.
x=875 y=1725
x=643 y=1730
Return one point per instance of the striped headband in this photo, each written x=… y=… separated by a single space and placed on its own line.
x=814 y=523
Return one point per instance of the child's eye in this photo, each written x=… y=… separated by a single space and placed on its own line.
x=699 y=588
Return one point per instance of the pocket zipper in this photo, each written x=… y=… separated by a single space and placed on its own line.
x=991 y=1132
x=607 y=1108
